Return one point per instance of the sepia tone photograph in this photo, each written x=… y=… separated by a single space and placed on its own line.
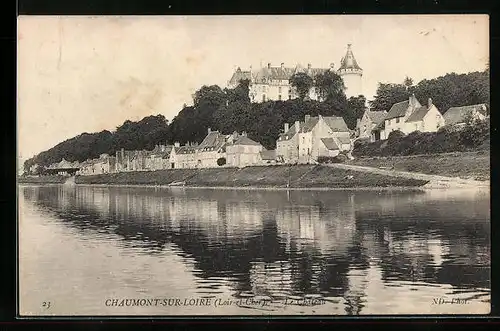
x=286 y=165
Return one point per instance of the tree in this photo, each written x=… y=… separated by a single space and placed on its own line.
x=357 y=106
x=387 y=95
x=221 y=161
x=209 y=96
x=408 y=83
x=302 y=83
x=330 y=86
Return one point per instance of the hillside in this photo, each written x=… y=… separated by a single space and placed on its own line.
x=229 y=110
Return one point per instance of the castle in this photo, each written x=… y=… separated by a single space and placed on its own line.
x=273 y=83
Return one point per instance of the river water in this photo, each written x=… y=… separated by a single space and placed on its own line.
x=174 y=251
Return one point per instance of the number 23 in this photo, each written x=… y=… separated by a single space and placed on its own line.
x=46 y=304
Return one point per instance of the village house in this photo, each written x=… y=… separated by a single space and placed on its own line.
x=158 y=158
x=242 y=151
x=86 y=168
x=131 y=160
x=267 y=157
x=183 y=157
x=458 y=116
x=211 y=149
x=104 y=164
x=317 y=136
x=63 y=168
x=368 y=122
x=409 y=116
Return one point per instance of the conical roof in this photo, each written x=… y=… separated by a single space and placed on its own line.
x=348 y=61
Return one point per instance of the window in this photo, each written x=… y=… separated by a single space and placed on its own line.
x=397 y=119
x=263 y=98
x=364 y=128
x=279 y=97
x=279 y=89
x=289 y=97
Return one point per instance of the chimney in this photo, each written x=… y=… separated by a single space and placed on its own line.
x=297 y=126
x=209 y=130
x=235 y=135
x=308 y=66
x=286 y=127
x=269 y=66
x=244 y=133
x=282 y=65
x=177 y=144
x=429 y=102
x=307 y=118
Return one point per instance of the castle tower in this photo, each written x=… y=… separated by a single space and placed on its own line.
x=351 y=73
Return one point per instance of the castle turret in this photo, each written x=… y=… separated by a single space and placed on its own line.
x=351 y=73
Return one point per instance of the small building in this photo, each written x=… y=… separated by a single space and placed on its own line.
x=424 y=119
x=183 y=157
x=267 y=157
x=409 y=116
x=242 y=151
x=211 y=149
x=158 y=158
x=458 y=116
x=328 y=147
x=368 y=122
x=302 y=143
x=287 y=145
x=105 y=164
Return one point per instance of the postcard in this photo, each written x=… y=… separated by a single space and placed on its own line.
x=324 y=165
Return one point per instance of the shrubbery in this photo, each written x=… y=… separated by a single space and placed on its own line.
x=341 y=158
x=475 y=135
x=221 y=161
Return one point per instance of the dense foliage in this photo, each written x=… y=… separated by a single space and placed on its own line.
x=475 y=135
x=450 y=90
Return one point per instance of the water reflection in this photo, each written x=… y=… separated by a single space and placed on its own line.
x=345 y=247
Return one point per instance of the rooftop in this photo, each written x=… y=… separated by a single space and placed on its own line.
x=348 y=61
x=330 y=144
x=456 y=115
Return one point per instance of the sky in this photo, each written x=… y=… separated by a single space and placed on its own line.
x=88 y=74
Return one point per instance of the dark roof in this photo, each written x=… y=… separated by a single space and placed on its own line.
x=309 y=124
x=399 y=109
x=268 y=155
x=243 y=140
x=376 y=116
x=344 y=140
x=330 y=144
x=348 y=61
x=185 y=149
x=238 y=76
x=456 y=115
x=285 y=73
x=162 y=148
x=289 y=134
x=418 y=114
x=213 y=141
x=337 y=124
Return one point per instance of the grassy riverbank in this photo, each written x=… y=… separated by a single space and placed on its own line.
x=465 y=165
x=299 y=176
